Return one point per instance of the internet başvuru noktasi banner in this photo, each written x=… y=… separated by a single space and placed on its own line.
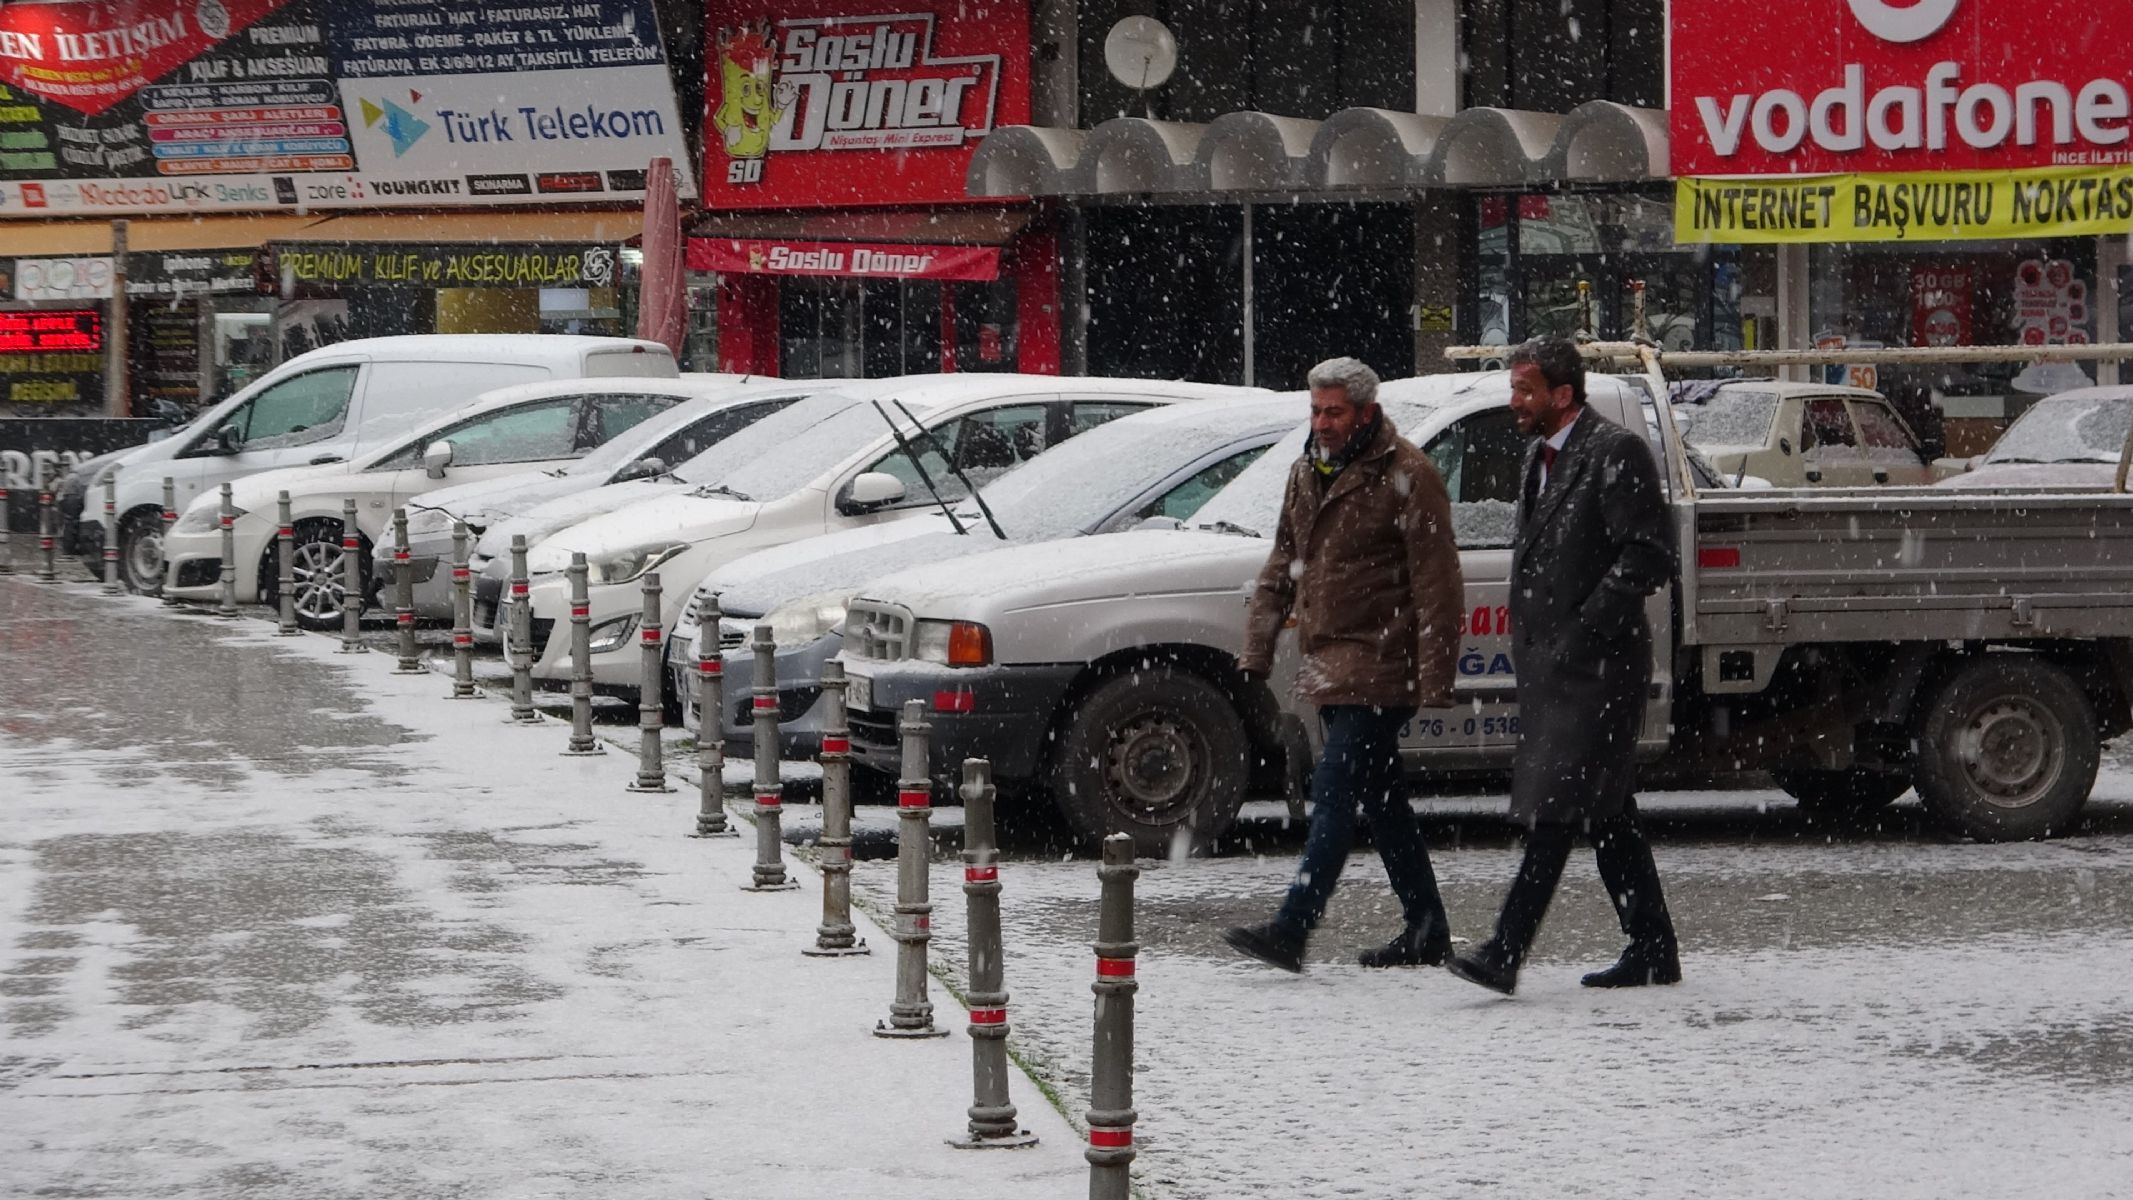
x=152 y=106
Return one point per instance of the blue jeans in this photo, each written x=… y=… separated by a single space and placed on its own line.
x=1361 y=766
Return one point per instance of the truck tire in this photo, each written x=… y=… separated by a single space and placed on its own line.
x=1159 y=754
x=1836 y=793
x=2008 y=749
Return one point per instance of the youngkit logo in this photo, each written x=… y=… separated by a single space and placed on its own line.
x=401 y=126
x=1903 y=23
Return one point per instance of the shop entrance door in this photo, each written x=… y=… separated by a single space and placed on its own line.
x=1676 y=309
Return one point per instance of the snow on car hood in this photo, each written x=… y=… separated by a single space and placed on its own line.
x=687 y=518
x=254 y=493
x=2036 y=475
x=1139 y=563
x=486 y=501
x=544 y=519
x=755 y=585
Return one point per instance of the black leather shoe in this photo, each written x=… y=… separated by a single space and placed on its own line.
x=1414 y=946
x=1272 y=942
x=1638 y=968
x=1487 y=967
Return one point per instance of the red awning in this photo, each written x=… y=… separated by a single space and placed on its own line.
x=847 y=260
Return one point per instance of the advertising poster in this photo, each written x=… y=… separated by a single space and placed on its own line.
x=199 y=105
x=1940 y=306
x=857 y=102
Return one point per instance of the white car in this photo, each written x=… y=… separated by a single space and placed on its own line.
x=335 y=404
x=715 y=408
x=828 y=462
x=507 y=431
x=2072 y=439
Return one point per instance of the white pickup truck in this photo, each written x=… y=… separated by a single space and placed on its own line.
x=1855 y=642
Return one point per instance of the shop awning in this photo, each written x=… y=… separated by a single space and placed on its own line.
x=63 y=239
x=464 y=227
x=1355 y=149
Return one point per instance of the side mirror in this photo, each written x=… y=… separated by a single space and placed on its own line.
x=643 y=468
x=1785 y=445
x=435 y=458
x=228 y=440
x=869 y=491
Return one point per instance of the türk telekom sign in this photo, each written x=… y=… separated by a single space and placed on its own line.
x=1823 y=86
x=835 y=103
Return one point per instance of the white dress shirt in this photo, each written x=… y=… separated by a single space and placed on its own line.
x=1559 y=439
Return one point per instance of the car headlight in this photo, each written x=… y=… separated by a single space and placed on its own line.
x=805 y=621
x=633 y=562
x=953 y=643
x=205 y=518
x=426 y=522
x=608 y=635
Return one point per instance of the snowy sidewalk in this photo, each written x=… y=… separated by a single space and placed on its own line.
x=276 y=922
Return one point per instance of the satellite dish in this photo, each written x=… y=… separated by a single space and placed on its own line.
x=1141 y=52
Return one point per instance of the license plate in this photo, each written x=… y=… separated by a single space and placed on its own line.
x=858 y=692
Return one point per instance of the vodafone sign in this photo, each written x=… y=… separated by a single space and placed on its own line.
x=1829 y=86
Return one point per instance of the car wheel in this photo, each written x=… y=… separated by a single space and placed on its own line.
x=141 y=552
x=320 y=570
x=1854 y=791
x=1159 y=754
x=2008 y=749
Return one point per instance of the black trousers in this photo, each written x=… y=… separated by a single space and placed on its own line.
x=1626 y=867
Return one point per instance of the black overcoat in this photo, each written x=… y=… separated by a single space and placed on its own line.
x=1591 y=546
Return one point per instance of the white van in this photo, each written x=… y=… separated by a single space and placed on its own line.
x=330 y=404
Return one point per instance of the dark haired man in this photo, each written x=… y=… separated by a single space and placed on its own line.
x=1593 y=542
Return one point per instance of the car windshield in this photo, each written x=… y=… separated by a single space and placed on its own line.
x=787 y=450
x=2073 y=427
x=631 y=445
x=1083 y=481
x=1730 y=419
x=1251 y=504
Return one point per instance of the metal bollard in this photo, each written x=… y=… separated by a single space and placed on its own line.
x=7 y=537
x=351 y=581
x=404 y=599
x=48 y=565
x=651 y=717
x=1111 y=1116
x=769 y=788
x=710 y=735
x=835 y=936
x=226 y=607
x=911 y=1014
x=285 y=566
x=170 y=522
x=992 y=1114
x=582 y=741
x=111 y=537
x=462 y=617
x=518 y=636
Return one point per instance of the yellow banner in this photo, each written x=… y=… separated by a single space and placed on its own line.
x=2052 y=202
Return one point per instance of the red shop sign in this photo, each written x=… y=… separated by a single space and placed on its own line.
x=1898 y=85
x=91 y=56
x=849 y=260
x=45 y=331
x=841 y=103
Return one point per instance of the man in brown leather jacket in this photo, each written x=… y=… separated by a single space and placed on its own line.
x=1364 y=561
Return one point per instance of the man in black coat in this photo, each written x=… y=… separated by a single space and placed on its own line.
x=1594 y=540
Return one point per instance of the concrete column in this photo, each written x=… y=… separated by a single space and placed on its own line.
x=2110 y=255
x=1438 y=247
x=1795 y=328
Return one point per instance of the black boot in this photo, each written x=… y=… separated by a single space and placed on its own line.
x=1275 y=943
x=1425 y=945
x=1489 y=965
x=1639 y=966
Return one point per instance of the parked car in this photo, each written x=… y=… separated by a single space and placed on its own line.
x=335 y=403
x=2072 y=439
x=1800 y=434
x=1973 y=645
x=829 y=462
x=505 y=432
x=714 y=407
x=1158 y=466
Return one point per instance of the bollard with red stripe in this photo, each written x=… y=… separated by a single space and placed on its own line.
x=993 y=1120
x=285 y=567
x=835 y=936
x=462 y=617
x=582 y=742
x=226 y=607
x=351 y=565
x=170 y=522
x=517 y=625
x=7 y=538
x=404 y=599
x=651 y=694
x=710 y=735
x=111 y=538
x=48 y=562
x=769 y=784
x=1110 y=1115
x=911 y=1014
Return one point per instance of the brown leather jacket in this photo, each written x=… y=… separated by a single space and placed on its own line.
x=1370 y=570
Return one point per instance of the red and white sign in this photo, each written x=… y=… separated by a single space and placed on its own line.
x=2051 y=304
x=842 y=103
x=1827 y=86
x=91 y=56
x=849 y=260
x=1940 y=306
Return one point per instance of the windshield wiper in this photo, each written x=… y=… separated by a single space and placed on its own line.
x=1231 y=527
x=904 y=444
x=720 y=489
x=950 y=460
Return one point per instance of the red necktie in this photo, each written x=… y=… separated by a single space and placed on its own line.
x=1548 y=453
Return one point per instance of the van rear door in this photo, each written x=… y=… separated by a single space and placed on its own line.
x=631 y=360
